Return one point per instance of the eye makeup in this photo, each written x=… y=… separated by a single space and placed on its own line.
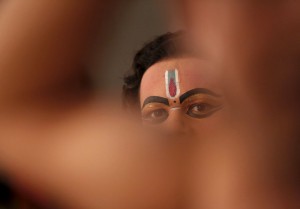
x=155 y=113
x=197 y=91
x=201 y=105
x=196 y=103
x=155 y=99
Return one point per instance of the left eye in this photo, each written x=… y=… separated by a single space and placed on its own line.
x=156 y=116
x=201 y=110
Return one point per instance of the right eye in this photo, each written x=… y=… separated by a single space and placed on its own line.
x=156 y=116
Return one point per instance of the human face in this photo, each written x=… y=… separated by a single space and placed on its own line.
x=181 y=95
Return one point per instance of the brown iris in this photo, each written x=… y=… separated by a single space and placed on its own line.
x=201 y=106
x=155 y=113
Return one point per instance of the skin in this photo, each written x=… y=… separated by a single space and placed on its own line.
x=256 y=44
x=198 y=114
x=56 y=138
x=55 y=146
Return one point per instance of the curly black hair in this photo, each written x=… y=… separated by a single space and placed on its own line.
x=163 y=47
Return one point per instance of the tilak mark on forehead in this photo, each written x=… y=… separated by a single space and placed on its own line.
x=172 y=84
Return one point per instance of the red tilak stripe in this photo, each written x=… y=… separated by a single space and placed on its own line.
x=172 y=88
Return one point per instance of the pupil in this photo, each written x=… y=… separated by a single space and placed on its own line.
x=158 y=113
x=199 y=107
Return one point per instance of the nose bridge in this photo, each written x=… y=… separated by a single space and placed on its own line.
x=175 y=115
x=176 y=123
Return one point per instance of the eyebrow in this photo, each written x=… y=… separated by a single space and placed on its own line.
x=156 y=99
x=197 y=91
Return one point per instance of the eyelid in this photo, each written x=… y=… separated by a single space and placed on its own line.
x=201 y=98
x=146 y=116
x=204 y=114
x=152 y=107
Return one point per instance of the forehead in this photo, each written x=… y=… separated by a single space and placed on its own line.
x=192 y=72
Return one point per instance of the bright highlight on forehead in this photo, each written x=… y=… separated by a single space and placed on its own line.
x=172 y=84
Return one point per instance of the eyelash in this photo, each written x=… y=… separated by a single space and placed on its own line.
x=202 y=113
x=187 y=108
x=147 y=116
